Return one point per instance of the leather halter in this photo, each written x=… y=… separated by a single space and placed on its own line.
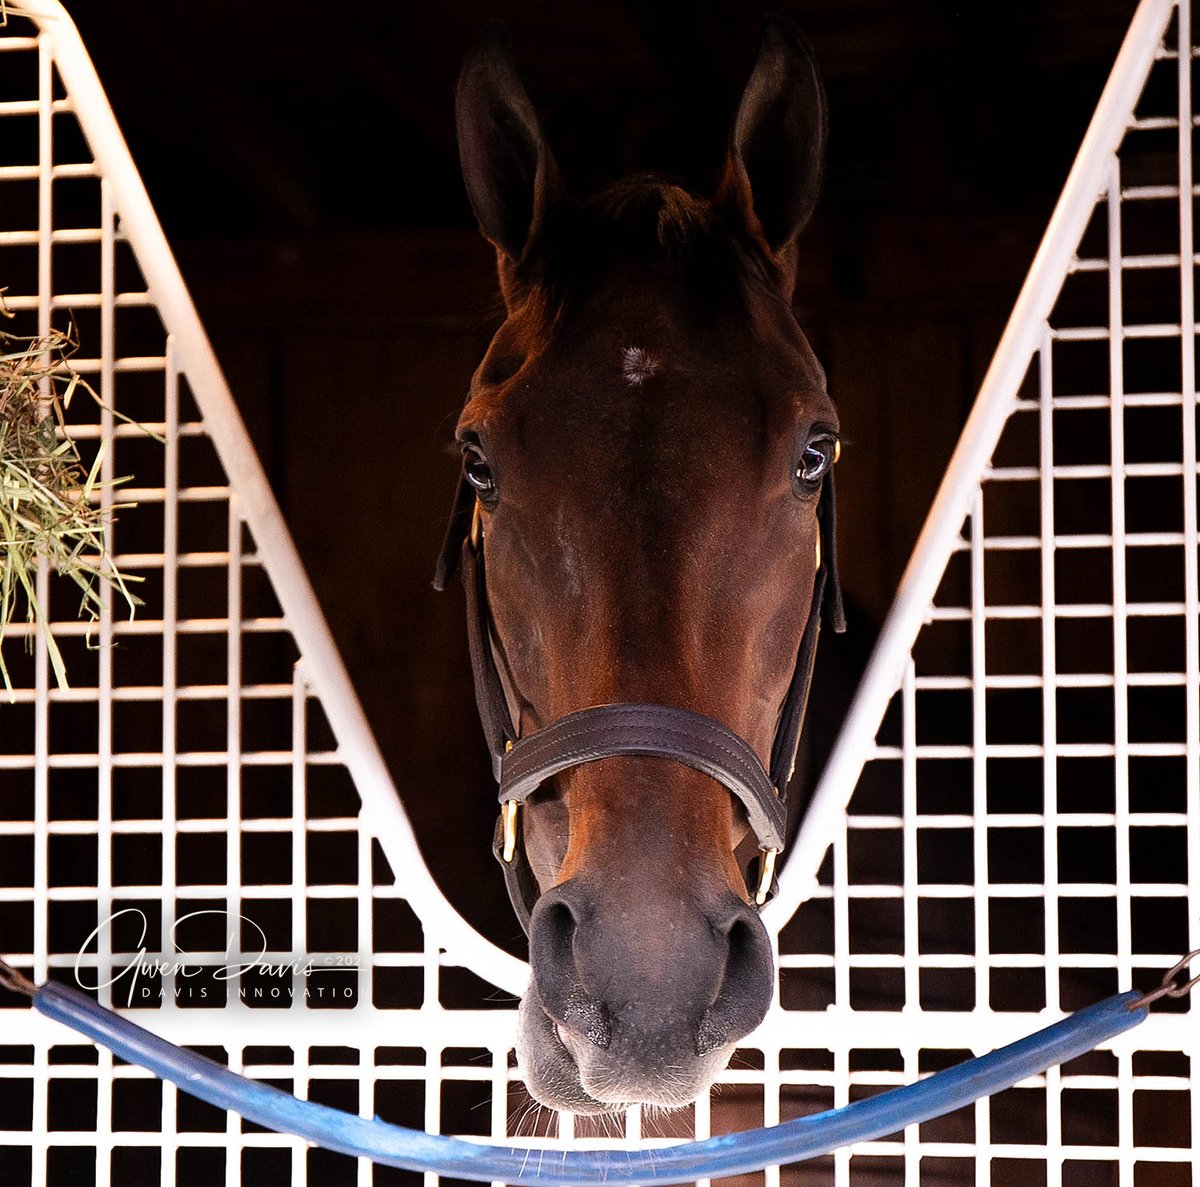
x=522 y=765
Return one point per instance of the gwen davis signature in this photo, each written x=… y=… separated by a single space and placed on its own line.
x=184 y=965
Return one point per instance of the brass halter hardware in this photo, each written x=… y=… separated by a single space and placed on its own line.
x=766 y=875
x=508 y=811
x=476 y=525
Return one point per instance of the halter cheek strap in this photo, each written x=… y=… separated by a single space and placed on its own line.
x=522 y=765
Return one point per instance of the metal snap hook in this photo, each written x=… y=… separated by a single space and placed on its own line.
x=508 y=812
x=766 y=875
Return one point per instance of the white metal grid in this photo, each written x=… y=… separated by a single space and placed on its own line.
x=1017 y=843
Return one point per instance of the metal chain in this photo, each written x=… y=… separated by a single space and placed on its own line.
x=15 y=981
x=1170 y=987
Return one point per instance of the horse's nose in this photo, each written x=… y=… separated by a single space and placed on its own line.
x=667 y=974
x=552 y=932
x=748 y=984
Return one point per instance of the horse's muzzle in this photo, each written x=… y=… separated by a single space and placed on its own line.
x=640 y=1003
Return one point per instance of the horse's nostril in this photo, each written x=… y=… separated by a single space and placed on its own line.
x=746 y=991
x=551 y=951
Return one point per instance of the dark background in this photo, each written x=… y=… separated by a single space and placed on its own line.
x=301 y=158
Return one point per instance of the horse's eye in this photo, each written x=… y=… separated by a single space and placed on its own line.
x=816 y=458
x=478 y=473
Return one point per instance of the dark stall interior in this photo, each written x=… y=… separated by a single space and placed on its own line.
x=302 y=161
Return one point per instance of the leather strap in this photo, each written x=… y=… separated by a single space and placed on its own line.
x=457 y=530
x=519 y=879
x=498 y=726
x=655 y=731
x=795 y=701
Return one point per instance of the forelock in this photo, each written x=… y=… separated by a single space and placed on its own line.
x=650 y=222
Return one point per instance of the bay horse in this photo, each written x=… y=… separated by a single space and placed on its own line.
x=647 y=449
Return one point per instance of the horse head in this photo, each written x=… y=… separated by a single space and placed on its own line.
x=646 y=455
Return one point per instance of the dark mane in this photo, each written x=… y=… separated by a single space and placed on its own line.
x=650 y=222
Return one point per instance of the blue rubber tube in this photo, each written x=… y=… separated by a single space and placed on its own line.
x=730 y=1154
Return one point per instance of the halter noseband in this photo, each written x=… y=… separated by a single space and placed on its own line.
x=522 y=765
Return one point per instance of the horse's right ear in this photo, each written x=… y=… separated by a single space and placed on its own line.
x=510 y=173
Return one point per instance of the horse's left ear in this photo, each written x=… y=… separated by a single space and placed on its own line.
x=777 y=148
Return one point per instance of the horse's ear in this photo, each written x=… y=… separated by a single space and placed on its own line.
x=510 y=172
x=777 y=148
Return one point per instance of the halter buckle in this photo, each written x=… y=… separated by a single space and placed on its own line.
x=766 y=875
